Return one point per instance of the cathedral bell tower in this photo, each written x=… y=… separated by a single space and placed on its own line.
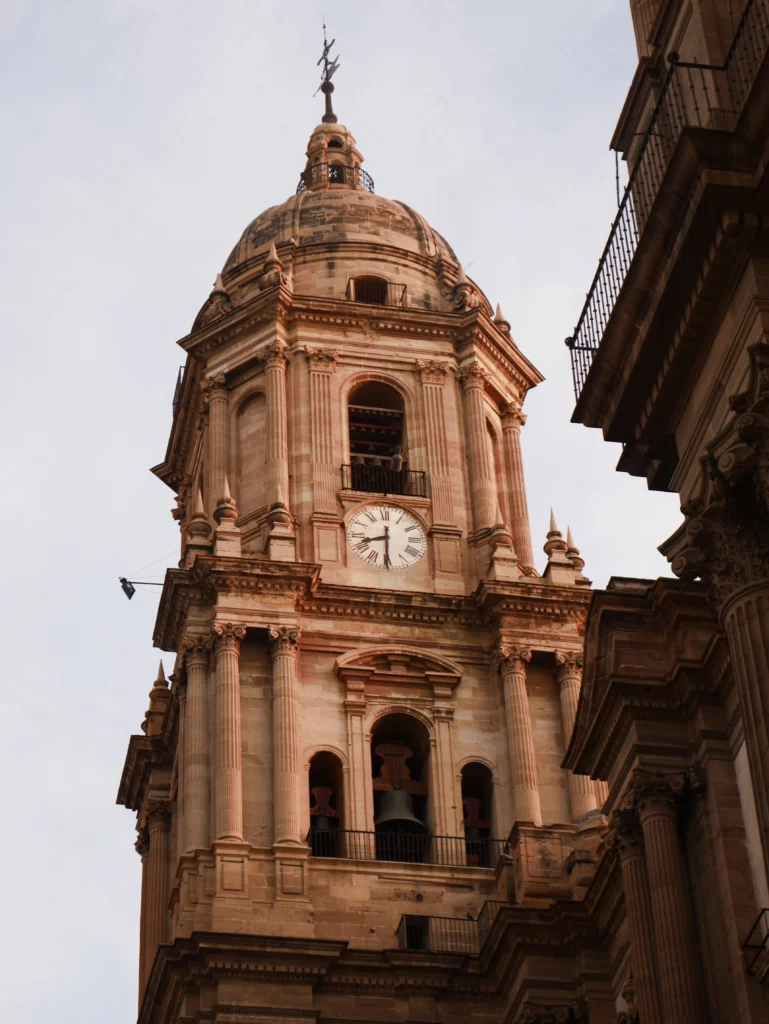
x=374 y=687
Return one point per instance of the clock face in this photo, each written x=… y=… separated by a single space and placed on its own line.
x=386 y=537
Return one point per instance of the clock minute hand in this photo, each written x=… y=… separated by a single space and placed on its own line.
x=387 y=561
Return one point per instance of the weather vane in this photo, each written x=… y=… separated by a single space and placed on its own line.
x=330 y=66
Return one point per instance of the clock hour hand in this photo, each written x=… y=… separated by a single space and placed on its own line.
x=387 y=547
x=383 y=537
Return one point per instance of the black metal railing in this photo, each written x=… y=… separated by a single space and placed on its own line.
x=692 y=95
x=755 y=946
x=448 y=934
x=335 y=174
x=376 y=291
x=450 y=851
x=378 y=479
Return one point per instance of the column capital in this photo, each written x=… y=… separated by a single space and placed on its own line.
x=142 y=844
x=568 y=664
x=432 y=371
x=511 y=658
x=284 y=640
x=321 y=360
x=472 y=376
x=663 y=792
x=624 y=835
x=196 y=649
x=275 y=354
x=159 y=816
x=562 y=1013
x=215 y=386
x=513 y=416
x=228 y=635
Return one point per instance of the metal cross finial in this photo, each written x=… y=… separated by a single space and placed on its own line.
x=330 y=66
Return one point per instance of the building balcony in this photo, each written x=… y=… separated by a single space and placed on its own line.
x=690 y=132
x=334 y=174
x=449 y=934
x=446 y=851
x=371 y=476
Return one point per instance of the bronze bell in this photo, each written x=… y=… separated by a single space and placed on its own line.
x=396 y=813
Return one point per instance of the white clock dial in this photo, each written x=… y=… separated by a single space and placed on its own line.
x=386 y=537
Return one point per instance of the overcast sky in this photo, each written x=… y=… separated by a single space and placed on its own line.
x=139 y=139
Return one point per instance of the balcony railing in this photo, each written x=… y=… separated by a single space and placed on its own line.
x=334 y=174
x=692 y=95
x=450 y=851
x=448 y=934
x=755 y=946
x=378 y=479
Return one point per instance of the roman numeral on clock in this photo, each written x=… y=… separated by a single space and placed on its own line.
x=371 y=517
x=412 y=551
x=385 y=514
x=361 y=545
x=372 y=557
x=414 y=526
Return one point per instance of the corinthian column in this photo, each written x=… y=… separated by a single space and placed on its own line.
x=156 y=903
x=287 y=775
x=568 y=673
x=680 y=981
x=277 y=425
x=142 y=847
x=229 y=768
x=217 y=394
x=520 y=740
x=483 y=487
x=512 y=421
x=195 y=791
x=322 y=365
x=433 y=376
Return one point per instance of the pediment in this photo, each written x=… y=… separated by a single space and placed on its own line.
x=397 y=665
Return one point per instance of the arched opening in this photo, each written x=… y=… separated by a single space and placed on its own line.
x=336 y=174
x=334 y=143
x=377 y=426
x=370 y=289
x=400 y=750
x=477 y=796
x=326 y=810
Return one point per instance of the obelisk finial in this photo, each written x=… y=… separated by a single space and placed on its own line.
x=330 y=65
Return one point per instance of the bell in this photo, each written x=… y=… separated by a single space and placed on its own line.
x=396 y=813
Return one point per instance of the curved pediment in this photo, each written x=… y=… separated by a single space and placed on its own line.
x=398 y=664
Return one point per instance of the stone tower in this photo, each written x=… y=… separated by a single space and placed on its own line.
x=357 y=759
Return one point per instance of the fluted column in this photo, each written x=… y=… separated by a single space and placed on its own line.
x=523 y=763
x=142 y=847
x=217 y=394
x=625 y=837
x=277 y=424
x=447 y=819
x=568 y=673
x=195 y=795
x=361 y=804
x=229 y=768
x=680 y=981
x=433 y=376
x=512 y=421
x=156 y=901
x=287 y=773
x=322 y=365
x=483 y=487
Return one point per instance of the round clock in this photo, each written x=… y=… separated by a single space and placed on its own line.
x=386 y=537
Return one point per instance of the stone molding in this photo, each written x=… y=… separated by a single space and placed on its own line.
x=284 y=640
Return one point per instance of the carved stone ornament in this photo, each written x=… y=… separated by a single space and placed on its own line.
x=563 y=1013
x=275 y=355
x=215 y=385
x=321 y=360
x=624 y=835
x=142 y=844
x=283 y=640
x=569 y=661
x=432 y=371
x=196 y=649
x=464 y=296
x=228 y=635
x=472 y=376
x=657 y=789
x=509 y=658
x=217 y=305
x=724 y=538
x=158 y=816
x=513 y=416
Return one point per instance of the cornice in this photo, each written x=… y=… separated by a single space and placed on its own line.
x=144 y=753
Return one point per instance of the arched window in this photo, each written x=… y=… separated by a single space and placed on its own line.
x=399 y=765
x=325 y=804
x=376 y=420
x=370 y=289
x=477 y=795
x=334 y=143
x=336 y=174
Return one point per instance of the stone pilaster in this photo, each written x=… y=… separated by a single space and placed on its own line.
x=217 y=395
x=142 y=847
x=657 y=798
x=568 y=673
x=197 y=651
x=281 y=543
x=483 y=487
x=322 y=365
x=512 y=420
x=433 y=374
x=229 y=769
x=446 y=816
x=361 y=807
x=156 y=902
x=625 y=837
x=287 y=770
x=523 y=763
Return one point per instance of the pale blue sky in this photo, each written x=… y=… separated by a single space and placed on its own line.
x=139 y=138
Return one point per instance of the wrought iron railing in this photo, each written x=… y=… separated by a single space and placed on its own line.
x=379 y=479
x=450 y=851
x=692 y=95
x=335 y=174
x=377 y=292
x=448 y=934
x=755 y=946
